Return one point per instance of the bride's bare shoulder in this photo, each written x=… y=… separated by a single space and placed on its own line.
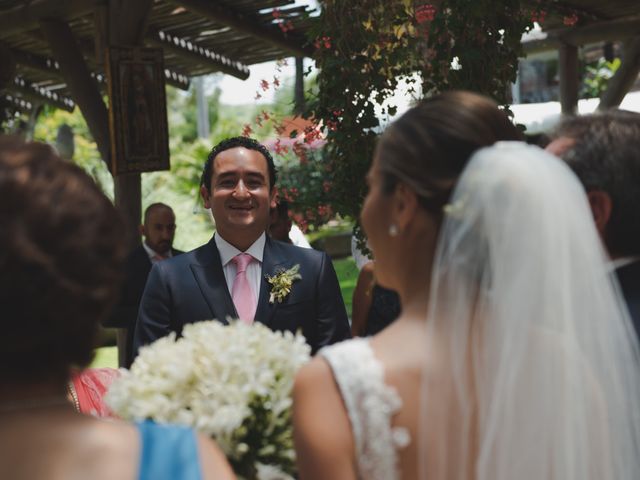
x=315 y=391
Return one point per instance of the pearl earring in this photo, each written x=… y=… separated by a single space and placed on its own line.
x=393 y=230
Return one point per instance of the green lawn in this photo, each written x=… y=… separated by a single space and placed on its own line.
x=106 y=357
x=347 y=276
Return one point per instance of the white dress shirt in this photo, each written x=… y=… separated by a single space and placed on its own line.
x=153 y=255
x=254 y=270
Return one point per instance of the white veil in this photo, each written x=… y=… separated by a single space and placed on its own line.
x=535 y=362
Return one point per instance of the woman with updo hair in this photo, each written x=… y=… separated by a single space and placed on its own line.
x=513 y=356
x=61 y=260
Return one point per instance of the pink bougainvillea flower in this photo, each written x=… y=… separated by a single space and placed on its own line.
x=279 y=148
x=247 y=130
x=276 y=82
x=286 y=26
x=326 y=186
x=538 y=16
x=425 y=13
x=264 y=85
x=570 y=20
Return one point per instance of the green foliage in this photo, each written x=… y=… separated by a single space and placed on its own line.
x=364 y=48
x=86 y=153
x=303 y=184
x=597 y=76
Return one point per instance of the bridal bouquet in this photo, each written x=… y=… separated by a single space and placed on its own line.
x=231 y=382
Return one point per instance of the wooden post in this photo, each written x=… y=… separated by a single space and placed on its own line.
x=568 y=70
x=624 y=77
x=78 y=78
x=125 y=23
x=298 y=92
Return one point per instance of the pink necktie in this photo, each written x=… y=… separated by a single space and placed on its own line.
x=243 y=297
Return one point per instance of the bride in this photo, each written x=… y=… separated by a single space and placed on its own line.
x=513 y=357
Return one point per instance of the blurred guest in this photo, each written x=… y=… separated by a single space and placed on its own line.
x=373 y=307
x=280 y=225
x=61 y=256
x=602 y=149
x=158 y=230
x=87 y=388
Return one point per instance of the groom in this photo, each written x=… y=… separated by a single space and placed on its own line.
x=228 y=277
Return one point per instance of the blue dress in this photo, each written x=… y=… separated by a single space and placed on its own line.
x=168 y=452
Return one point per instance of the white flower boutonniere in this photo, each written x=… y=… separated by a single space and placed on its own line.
x=281 y=283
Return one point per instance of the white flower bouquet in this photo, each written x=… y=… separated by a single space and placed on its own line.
x=230 y=382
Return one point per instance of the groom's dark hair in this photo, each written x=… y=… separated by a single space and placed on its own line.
x=605 y=156
x=233 y=142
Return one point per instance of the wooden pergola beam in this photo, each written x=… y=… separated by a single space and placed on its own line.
x=607 y=31
x=20 y=103
x=28 y=16
x=50 y=67
x=243 y=23
x=77 y=76
x=625 y=76
x=198 y=53
x=31 y=91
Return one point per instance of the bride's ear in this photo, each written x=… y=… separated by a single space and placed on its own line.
x=405 y=206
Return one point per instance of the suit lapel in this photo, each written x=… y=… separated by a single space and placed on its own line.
x=207 y=270
x=272 y=259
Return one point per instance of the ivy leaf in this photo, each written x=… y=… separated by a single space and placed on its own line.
x=293 y=134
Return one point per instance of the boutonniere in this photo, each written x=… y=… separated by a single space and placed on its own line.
x=281 y=283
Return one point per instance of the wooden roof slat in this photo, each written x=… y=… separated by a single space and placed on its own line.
x=29 y=89
x=611 y=30
x=199 y=53
x=27 y=16
x=246 y=24
x=20 y=103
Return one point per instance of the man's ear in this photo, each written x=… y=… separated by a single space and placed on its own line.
x=142 y=230
x=601 y=205
x=204 y=193
x=273 y=201
x=405 y=204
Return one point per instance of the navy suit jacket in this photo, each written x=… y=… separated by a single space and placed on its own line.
x=629 y=279
x=192 y=287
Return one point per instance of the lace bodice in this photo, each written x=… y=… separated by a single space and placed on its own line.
x=370 y=405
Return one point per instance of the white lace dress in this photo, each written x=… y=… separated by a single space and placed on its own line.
x=370 y=405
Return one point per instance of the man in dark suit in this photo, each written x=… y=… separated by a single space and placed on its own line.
x=227 y=277
x=157 y=230
x=602 y=149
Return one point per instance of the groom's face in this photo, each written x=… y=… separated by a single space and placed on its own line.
x=240 y=196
